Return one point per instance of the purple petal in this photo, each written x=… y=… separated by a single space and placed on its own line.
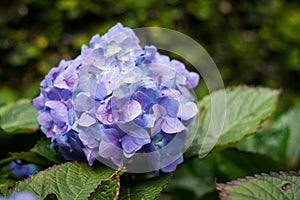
x=146 y=120
x=83 y=102
x=186 y=92
x=95 y=40
x=108 y=149
x=172 y=93
x=38 y=102
x=134 y=130
x=130 y=110
x=187 y=110
x=171 y=106
x=60 y=130
x=157 y=127
x=172 y=125
x=21 y=196
x=179 y=66
x=105 y=116
x=131 y=144
x=112 y=135
x=172 y=167
x=59 y=112
x=192 y=79
x=86 y=120
x=45 y=120
x=88 y=140
x=67 y=79
x=142 y=98
x=159 y=110
x=91 y=155
x=101 y=91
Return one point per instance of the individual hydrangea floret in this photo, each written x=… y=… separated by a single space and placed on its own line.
x=116 y=100
x=20 y=196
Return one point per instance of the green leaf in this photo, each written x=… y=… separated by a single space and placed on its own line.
x=7 y=95
x=43 y=149
x=109 y=189
x=19 y=117
x=268 y=141
x=4 y=184
x=290 y=123
x=67 y=181
x=246 y=109
x=148 y=189
x=30 y=157
x=275 y=186
x=224 y=165
x=280 y=140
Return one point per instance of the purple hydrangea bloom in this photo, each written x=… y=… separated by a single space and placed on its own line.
x=118 y=99
x=20 y=196
x=22 y=170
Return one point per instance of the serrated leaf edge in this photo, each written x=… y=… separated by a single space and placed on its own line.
x=116 y=176
x=224 y=195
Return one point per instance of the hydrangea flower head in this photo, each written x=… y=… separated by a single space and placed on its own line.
x=117 y=100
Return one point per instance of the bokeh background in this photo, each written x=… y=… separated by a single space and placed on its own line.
x=253 y=42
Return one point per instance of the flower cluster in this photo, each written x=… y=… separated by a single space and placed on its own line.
x=22 y=170
x=117 y=100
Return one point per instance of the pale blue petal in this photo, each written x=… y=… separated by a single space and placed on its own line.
x=172 y=125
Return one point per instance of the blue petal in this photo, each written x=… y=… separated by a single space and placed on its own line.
x=105 y=115
x=83 y=102
x=130 y=110
x=187 y=110
x=59 y=112
x=86 y=120
x=91 y=155
x=131 y=144
x=172 y=167
x=100 y=92
x=171 y=106
x=45 y=120
x=172 y=125
x=38 y=102
x=192 y=79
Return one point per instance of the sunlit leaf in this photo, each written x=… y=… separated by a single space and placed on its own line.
x=246 y=109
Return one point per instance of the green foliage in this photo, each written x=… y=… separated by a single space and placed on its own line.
x=44 y=149
x=147 y=190
x=109 y=189
x=67 y=181
x=198 y=176
x=280 y=139
x=29 y=157
x=275 y=186
x=246 y=109
x=19 y=117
